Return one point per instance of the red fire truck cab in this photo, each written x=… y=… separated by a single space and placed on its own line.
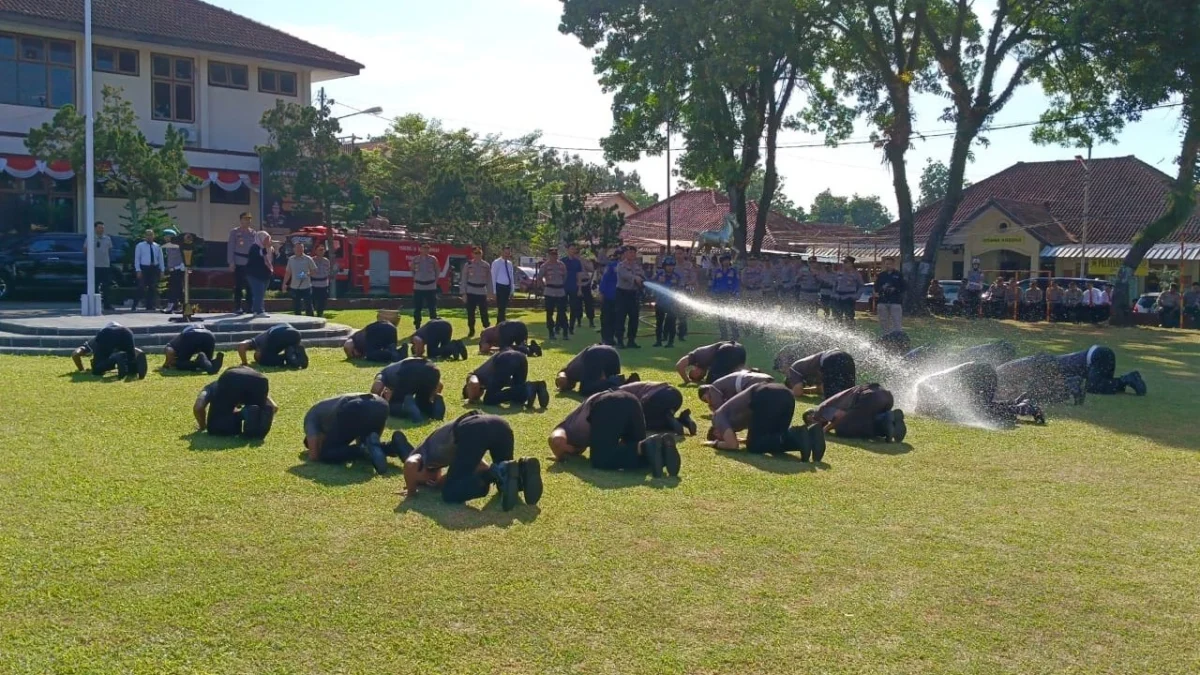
x=379 y=261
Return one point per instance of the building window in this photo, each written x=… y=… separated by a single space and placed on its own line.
x=116 y=60
x=37 y=204
x=36 y=72
x=173 y=88
x=240 y=196
x=276 y=82
x=229 y=75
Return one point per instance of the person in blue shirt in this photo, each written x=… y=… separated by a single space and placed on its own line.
x=726 y=284
x=608 y=298
x=664 y=309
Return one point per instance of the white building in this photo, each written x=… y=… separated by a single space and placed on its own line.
x=208 y=71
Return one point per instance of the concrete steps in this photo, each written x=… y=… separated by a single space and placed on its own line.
x=60 y=335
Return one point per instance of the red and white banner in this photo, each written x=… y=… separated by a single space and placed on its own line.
x=24 y=166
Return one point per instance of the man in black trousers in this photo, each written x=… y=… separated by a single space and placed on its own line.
x=504 y=281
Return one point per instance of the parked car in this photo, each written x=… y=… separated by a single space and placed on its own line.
x=54 y=262
x=951 y=287
x=1063 y=282
x=526 y=282
x=1145 y=303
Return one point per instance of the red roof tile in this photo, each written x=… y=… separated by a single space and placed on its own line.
x=1127 y=194
x=184 y=23
x=697 y=211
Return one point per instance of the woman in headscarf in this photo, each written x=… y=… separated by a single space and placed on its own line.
x=259 y=268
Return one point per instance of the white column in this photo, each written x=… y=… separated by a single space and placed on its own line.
x=90 y=305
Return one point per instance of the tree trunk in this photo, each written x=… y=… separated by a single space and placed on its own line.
x=770 y=183
x=1181 y=204
x=737 y=206
x=894 y=151
x=923 y=273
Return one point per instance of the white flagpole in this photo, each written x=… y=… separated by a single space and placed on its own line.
x=92 y=303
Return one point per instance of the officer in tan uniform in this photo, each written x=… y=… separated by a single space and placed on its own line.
x=808 y=285
x=477 y=286
x=553 y=275
x=847 y=285
x=425 y=278
x=630 y=278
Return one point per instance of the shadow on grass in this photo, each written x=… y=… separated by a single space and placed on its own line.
x=780 y=463
x=87 y=376
x=505 y=410
x=203 y=442
x=175 y=372
x=340 y=475
x=459 y=517
x=611 y=480
x=877 y=447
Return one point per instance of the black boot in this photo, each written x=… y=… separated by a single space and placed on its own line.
x=399 y=447
x=529 y=479
x=402 y=352
x=883 y=426
x=672 y=461
x=218 y=362
x=122 y=362
x=899 y=427
x=410 y=409
x=685 y=420
x=633 y=377
x=543 y=394
x=530 y=395
x=795 y=439
x=1135 y=382
x=1077 y=389
x=534 y=348
x=816 y=441
x=142 y=367
x=504 y=475
x=373 y=446
x=652 y=450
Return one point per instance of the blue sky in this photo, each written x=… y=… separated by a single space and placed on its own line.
x=502 y=66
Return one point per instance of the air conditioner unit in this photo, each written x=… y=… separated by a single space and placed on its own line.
x=191 y=137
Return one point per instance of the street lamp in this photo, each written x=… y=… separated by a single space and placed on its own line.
x=1087 y=193
x=374 y=110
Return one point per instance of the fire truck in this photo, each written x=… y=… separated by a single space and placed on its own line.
x=379 y=261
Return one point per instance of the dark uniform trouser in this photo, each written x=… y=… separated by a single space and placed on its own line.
x=148 y=287
x=727 y=360
x=302 y=301
x=659 y=410
x=477 y=301
x=627 y=314
x=422 y=300
x=608 y=320
x=572 y=309
x=727 y=326
x=475 y=435
x=198 y=361
x=664 y=324
x=771 y=411
x=241 y=289
x=556 y=314
x=859 y=420
x=103 y=281
x=436 y=350
x=319 y=295
x=838 y=374
x=1168 y=317
x=222 y=422
x=272 y=354
x=583 y=303
x=102 y=366
x=382 y=355
x=340 y=447
x=175 y=287
x=507 y=387
x=618 y=425
x=503 y=293
x=1100 y=373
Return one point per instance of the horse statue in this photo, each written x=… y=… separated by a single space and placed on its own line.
x=722 y=238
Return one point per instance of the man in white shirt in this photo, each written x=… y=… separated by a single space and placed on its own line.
x=149 y=265
x=503 y=281
x=1092 y=303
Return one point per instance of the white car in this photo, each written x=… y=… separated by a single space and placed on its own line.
x=1145 y=303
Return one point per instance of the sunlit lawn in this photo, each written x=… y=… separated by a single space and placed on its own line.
x=130 y=544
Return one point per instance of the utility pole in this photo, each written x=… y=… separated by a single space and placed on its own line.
x=330 y=247
x=668 y=183
x=1087 y=197
x=91 y=303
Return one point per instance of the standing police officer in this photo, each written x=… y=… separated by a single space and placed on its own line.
x=425 y=278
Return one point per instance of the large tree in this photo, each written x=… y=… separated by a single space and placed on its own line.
x=1128 y=56
x=126 y=164
x=456 y=183
x=721 y=72
x=881 y=61
x=982 y=65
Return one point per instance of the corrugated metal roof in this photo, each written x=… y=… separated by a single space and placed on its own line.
x=1119 y=251
x=860 y=252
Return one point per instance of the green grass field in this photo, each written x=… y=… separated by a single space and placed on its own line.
x=129 y=544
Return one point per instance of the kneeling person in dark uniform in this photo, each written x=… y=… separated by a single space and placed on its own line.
x=863 y=411
x=731 y=385
x=412 y=387
x=968 y=390
x=1040 y=379
x=279 y=345
x=435 y=340
x=237 y=403
x=344 y=428
x=764 y=412
x=660 y=401
x=594 y=369
x=503 y=378
x=508 y=335
x=1097 y=366
x=112 y=348
x=377 y=342
x=459 y=448
x=192 y=350
x=825 y=374
x=711 y=362
x=613 y=425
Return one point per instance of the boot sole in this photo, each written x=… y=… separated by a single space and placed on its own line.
x=509 y=490
x=816 y=440
x=899 y=427
x=530 y=470
x=672 y=460
x=654 y=455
